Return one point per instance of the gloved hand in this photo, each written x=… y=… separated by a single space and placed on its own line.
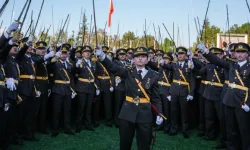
x=73 y=95
x=117 y=80
x=30 y=40
x=100 y=53
x=169 y=98
x=49 y=55
x=190 y=54
x=245 y=107
x=6 y=106
x=79 y=61
x=51 y=48
x=159 y=120
x=111 y=89
x=203 y=48
x=11 y=84
x=58 y=54
x=189 y=98
x=38 y=94
x=49 y=92
x=74 y=45
x=109 y=57
x=97 y=92
x=12 y=27
x=191 y=64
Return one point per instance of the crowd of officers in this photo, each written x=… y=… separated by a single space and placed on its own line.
x=40 y=83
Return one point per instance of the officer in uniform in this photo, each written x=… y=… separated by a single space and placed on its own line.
x=236 y=98
x=27 y=90
x=119 y=93
x=165 y=80
x=42 y=83
x=141 y=90
x=62 y=90
x=129 y=59
x=212 y=94
x=181 y=90
x=86 y=88
x=105 y=85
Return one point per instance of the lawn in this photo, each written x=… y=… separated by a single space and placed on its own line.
x=105 y=138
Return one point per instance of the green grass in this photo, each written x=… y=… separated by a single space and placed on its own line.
x=105 y=138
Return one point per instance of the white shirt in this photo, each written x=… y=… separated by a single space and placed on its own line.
x=64 y=63
x=181 y=64
x=123 y=62
x=242 y=63
x=143 y=73
x=88 y=62
x=30 y=57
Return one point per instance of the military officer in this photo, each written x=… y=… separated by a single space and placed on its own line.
x=181 y=90
x=86 y=89
x=236 y=98
x=142 y=88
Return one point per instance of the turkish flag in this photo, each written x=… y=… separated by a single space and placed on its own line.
x=111 y=11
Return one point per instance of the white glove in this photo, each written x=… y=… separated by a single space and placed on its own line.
x=117 y=80
x=73 y=95
x=97 y=92
x=6 y=106
x=169 y=98
x=245 y=107
x=58 y=54
x=203 y=48
x=159 y=120
x=161 y=62
x=49 y=55
x=74 y=46
x=189 y=98
x=100 y=54
x=79 y=61
x=12 y=27
x=190 y=54
x=30 y=40
x=38 y=94
x=49 y=92
x=111 y=89
x=191 y=64
x=51 y=49
x=11 y=84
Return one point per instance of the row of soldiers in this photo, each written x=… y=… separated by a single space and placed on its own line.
x=64 y=73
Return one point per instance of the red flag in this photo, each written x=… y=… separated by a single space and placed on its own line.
x=111 y=11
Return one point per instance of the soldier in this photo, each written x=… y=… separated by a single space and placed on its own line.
x=27 y=90
x=129 y=59
x=165 y=80
x=62 y=90
x=142 y=88
x=236 y=98
x=105 y=85
x=85 y=88
x=119 y=93
x=42 y=83
x=212 y=94
x=181 y=90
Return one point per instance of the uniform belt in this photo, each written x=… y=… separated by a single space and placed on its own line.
x=41 y=78
x=15 y=81
x=236 y=86
x=213 y=83
x=27 y=77
x=183 y=83
x=62 y=82
x=227 y=82
x=85 y=80
x=136 y=100
x=163 y=83
x=103 y=77
x=2 y=83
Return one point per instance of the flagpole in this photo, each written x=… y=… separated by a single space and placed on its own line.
x=109 y=34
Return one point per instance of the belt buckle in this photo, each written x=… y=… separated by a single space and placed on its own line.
x=212 y=83
x=89 y=80
x=31 y=76
x=103 y=77
x=233 y=85
x=44 y=78
x=206 y=82
x=136 y=100
x=65 y=82
x=179 y=82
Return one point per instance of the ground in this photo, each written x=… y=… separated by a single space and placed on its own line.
x=105 y=138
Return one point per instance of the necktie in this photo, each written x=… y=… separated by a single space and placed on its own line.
x=65 y=65
x=180 y=65
x=89 y=63
x=139 y=74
